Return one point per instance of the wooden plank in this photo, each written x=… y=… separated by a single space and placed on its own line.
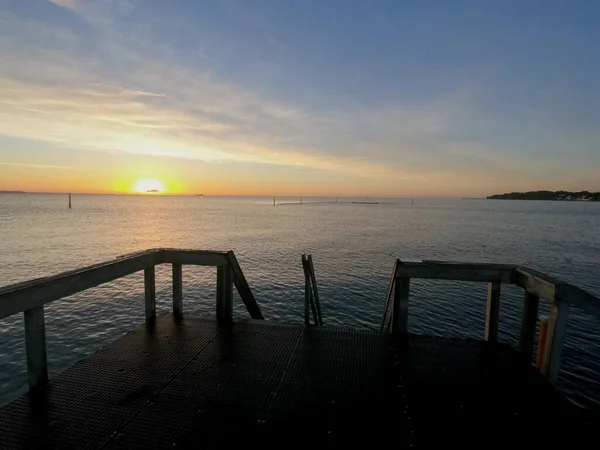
x=195 y=257
x=388 y=298
x=177 y=289
x=243 y=287
x=309 y=300
x=528 y=324
x=24 y=296
x=555 y=340
x=456 y=271
x=493 y=312
x=313 y=308
x=150 y=293
x=35 y=345
x=536 y=282
x=579 y=298
x=400 y=307
x=224 y=294
x=306 y=291
x=315 y=289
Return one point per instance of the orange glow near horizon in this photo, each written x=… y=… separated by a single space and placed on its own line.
x=149 y=186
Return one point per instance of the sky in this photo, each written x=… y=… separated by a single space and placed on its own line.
x=306 y=97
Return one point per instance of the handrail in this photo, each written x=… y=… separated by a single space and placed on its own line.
x=21 y=297
x=536 y=284
x=30 y=297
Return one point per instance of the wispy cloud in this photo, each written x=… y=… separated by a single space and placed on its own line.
x=38 y=166
x=111 y=84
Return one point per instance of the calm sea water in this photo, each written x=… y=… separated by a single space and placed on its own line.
x=353 y=246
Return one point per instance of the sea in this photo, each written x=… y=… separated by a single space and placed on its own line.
x=354 y=246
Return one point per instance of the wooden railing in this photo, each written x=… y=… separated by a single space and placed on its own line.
x=537 y=286
x=31 y=296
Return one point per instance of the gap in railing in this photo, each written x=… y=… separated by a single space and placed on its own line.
x=199 y=290
x=437 y=308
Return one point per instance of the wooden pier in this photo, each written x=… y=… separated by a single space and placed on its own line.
x=180 y=381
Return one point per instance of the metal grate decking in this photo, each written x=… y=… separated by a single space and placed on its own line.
x=192 y=383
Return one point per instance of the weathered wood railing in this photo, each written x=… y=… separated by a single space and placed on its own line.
x=311 y=292
x=537 y=286
x=31 y=296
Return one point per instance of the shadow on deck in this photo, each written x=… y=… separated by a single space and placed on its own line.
x=195 y=384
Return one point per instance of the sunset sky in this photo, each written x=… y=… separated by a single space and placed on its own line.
x=308 y=97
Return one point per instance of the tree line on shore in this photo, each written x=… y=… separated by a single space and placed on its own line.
x=549 y=195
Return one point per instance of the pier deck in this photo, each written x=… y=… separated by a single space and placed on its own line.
x=195 y=383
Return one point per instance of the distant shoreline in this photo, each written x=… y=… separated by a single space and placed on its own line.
x=557 y=196
x=13 y=192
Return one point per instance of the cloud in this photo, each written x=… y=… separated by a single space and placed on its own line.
x=113 y=86
x=37 y=166
x=69 y=4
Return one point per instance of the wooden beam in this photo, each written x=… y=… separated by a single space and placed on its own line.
x=315 y=289
x=535 y=282
x=492 y=312
x=312 y=307
x=35 y=345
x=195 y=257
x=555 y=340
x=243 y=287
x=150 y=294
x=400 y=307
x=388 y=298
x=224 y=294
x=455 y=271
x=306 y=291
x=31 y=294
x=528 y=324
x=177 y=289
x=579 y=298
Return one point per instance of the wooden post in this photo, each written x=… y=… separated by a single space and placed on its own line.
x=150 y=294
x=69 y=201
x=273 y=201
x=493 y=312
x=528 y=324
x=177 y=289
x=306 y=291
x=315 y=290
x=557 y=327
x=388 y=299
x=400 y=307
x=35 y=344
x=224 y=294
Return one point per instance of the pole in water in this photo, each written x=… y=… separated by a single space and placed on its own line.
x=300 y=200
x=273 y=201
x=69 y=201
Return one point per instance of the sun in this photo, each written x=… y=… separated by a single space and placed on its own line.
x=149 y=186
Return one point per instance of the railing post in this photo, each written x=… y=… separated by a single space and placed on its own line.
x=35 y=344
x=557 y=327
x=400 y=307
x=528 y=324
x=224 y=294
x=150 y=293
x=493 y=311
x=177 y=289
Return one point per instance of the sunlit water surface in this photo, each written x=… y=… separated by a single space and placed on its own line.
x=353 y=246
